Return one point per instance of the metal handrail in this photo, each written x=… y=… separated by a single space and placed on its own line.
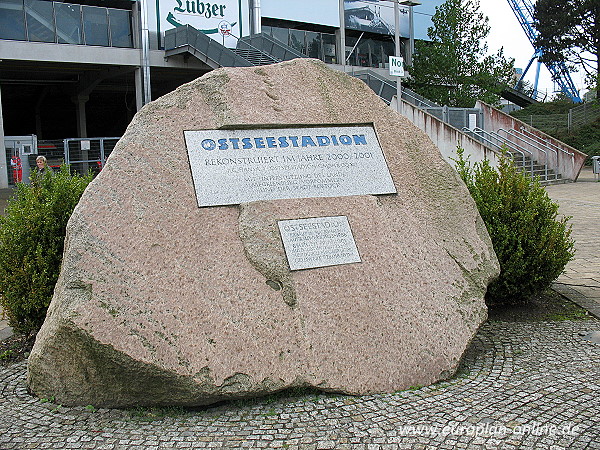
x=354 y=48
x=486 y=137
x=549 y=144
x=533 y=144
x=262 y=52
x=515 y=147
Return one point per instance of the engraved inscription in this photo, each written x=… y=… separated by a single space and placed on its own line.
x=237 y=166
x=318 y=242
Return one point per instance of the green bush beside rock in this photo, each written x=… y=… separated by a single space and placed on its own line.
x=533 y=245
x=32 y=234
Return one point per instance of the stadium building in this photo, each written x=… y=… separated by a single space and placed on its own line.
x=75 y=71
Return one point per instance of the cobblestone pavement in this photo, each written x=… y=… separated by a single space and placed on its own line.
x=581 y=279
x=521 y=385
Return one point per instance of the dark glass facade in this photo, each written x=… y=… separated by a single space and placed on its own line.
x=65 y=23
x=373 y=51
x=314 y=44
x=370 y=52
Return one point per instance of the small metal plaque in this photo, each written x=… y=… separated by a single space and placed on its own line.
x=318 y=242
x=237 y=166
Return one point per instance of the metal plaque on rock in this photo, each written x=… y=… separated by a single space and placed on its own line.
x=318 y=242
x=237 y=166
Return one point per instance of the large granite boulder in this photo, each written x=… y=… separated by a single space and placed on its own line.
x=161 y=302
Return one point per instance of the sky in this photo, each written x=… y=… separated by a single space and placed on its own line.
x=506 y=32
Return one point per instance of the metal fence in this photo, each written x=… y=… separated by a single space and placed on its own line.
x=576 y=117
x=584 y=114
x=460 y=118
x=81 y=154
x=88 y=154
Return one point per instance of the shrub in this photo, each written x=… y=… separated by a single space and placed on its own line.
x=32 y=234
x=533 y=246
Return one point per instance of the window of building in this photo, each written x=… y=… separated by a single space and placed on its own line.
x=68 y=23
x=314 y=44
x=65 y=23
x=329 y=46
x=40 y=21
x=120 y=28
x=95 y=25
x=281 y=34
x=297 y=40
x=369 y=51
x=12 y=20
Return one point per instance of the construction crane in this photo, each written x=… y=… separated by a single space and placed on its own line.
x=524 y=10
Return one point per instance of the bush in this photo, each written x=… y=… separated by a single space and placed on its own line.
x=532 y=245
x=32 y=234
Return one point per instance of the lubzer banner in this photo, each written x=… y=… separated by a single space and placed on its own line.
x=221 y=20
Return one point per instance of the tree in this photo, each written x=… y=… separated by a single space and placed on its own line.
x=569 y=32
x=453 y=68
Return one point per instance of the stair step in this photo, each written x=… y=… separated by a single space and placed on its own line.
x=256 y=57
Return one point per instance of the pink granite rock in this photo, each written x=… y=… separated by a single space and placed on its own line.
x=161 y=302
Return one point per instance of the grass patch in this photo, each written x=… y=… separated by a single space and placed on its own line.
x=548 y=306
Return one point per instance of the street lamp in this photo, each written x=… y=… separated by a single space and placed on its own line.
x=410 y=4
x=411 y=32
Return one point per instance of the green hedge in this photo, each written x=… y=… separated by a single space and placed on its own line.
x=532 y=244
x=32 y=234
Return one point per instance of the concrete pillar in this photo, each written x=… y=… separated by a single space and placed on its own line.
x=340 y=35
x=80 y=101
x=3 y=155
x=139 y=89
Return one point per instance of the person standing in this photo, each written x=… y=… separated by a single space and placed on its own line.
x=17 y=168
x=42 y=166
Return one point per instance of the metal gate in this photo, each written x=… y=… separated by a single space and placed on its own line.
x=83 y=154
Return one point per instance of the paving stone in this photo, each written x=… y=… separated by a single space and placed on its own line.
x=552 y=381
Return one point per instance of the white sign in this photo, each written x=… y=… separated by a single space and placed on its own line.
x=396 y=66
x=220 y=20
x=237 y=166
x=318 y=242
x=472 y=121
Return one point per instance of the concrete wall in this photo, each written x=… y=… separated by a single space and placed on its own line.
x=561 y=157
x=445 y=136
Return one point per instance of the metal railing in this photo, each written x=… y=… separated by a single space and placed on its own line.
x=382 y=87
x=84 y=154
x=386 y=89
x=494 y=140
x=547 y=143
x=188 y=39
x=535 y=145
x=583 y=114
x=457 y=117
x=268 y=46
